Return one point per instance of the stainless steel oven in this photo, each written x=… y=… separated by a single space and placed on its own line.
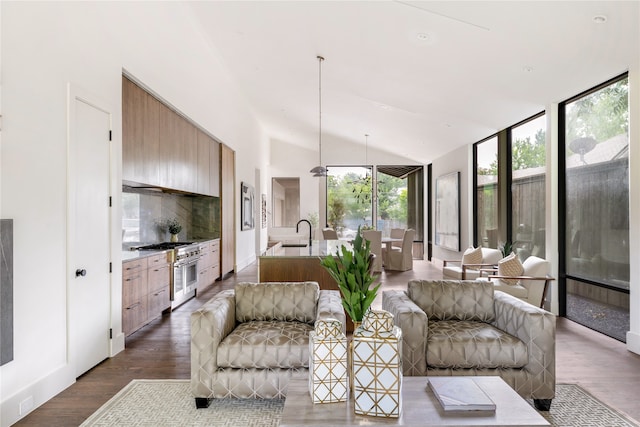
x=185 y=276
x=185 y=273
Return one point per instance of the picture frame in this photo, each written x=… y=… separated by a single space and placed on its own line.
x=447 y=207
x=246 y=207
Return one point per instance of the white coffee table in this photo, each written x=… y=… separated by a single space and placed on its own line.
x=420 y=408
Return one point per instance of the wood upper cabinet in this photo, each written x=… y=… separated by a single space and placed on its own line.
x=208 y=165
x=132 y=131
x=161 y=147
x=214 y=168
x=140 y=134
x=169 y=141
x=228 y=204
x=151 y=140
x=204 y=149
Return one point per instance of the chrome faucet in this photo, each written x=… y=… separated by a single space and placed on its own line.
x=310 y=230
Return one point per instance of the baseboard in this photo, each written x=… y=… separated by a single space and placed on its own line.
x=35 y=394
x=241 y=265
x=633 y=342
x=116 y=344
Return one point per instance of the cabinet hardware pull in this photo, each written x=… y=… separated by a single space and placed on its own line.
x=128 y=279
x=133 y=306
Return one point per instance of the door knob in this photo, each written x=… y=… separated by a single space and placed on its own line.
x=81 y=272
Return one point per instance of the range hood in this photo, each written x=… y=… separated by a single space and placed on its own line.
x=131 y=186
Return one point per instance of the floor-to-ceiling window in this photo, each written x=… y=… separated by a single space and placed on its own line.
x=528 y=160
x=349 y=199
x=400 y=202
x=595 y=222
x=486 y=200
x=393 y=195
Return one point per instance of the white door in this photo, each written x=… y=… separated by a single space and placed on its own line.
x=89 y=231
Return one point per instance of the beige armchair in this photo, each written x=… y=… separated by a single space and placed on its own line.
x=456 y=327
x=531 y=286
x=375 y=243
x=248 y=342
x=400 y=259
x=459 y=270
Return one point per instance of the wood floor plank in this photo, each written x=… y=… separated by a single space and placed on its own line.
x=600 y=364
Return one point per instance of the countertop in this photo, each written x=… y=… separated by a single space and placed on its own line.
x=128 y=254
x=318 y=248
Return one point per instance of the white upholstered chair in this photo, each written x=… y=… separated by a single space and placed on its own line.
x=375 y=239
x=531 y=285
x=458 y=270
x=329 y=234
x=397 y=233
x=400 y=259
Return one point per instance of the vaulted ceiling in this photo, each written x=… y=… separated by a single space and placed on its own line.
x=420 y=78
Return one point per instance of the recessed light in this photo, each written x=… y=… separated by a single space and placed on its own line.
x=423 y=37
x=600 y=19
x=527 y=68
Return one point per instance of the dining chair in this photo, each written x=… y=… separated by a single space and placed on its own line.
x=375 y=239
x=400 y=259
x=397 y=233
x=329 y=234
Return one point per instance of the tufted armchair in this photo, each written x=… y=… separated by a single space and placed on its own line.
x=249 y=341
x=457 y=327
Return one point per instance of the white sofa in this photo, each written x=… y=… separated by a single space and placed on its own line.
x=455 y=270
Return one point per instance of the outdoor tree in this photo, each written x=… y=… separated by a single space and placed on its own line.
x=601 y=115
x=350 y=197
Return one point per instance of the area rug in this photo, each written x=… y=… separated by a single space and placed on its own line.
x=164 y=403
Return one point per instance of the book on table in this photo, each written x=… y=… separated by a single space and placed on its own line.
x=460 y=394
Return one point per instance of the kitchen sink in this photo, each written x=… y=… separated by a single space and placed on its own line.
x=294 y=245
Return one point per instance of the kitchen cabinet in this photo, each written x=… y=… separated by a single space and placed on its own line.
x=208 y=171
x=145 y=290
x=160 y=147
x=140 y=134
x=158 y=276
x=228 y=204
x=214 y=168
x=209 y=264
x=134 y=295
x=178 y=151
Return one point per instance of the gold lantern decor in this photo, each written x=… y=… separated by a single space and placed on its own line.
x=328 y=369
x=377 y=366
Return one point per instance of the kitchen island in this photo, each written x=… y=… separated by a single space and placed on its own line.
x=295 y=261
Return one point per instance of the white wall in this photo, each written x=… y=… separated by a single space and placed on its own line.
x=633 y=336
x=45 y=46
x=458 y=160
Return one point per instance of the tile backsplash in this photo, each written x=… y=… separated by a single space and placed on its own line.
x=144 y=212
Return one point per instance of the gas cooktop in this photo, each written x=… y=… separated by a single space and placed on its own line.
x=161 y=246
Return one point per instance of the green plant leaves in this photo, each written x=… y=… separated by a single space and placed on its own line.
x=350 y=269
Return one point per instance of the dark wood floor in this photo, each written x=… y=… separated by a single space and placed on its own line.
x=601 y=365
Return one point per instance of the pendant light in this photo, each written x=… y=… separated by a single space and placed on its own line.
x=319 y=170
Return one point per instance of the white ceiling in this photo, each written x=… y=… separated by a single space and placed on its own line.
x=483 y=65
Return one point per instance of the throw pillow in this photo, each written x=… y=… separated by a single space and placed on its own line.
x=510 y=266
x=472 y=256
